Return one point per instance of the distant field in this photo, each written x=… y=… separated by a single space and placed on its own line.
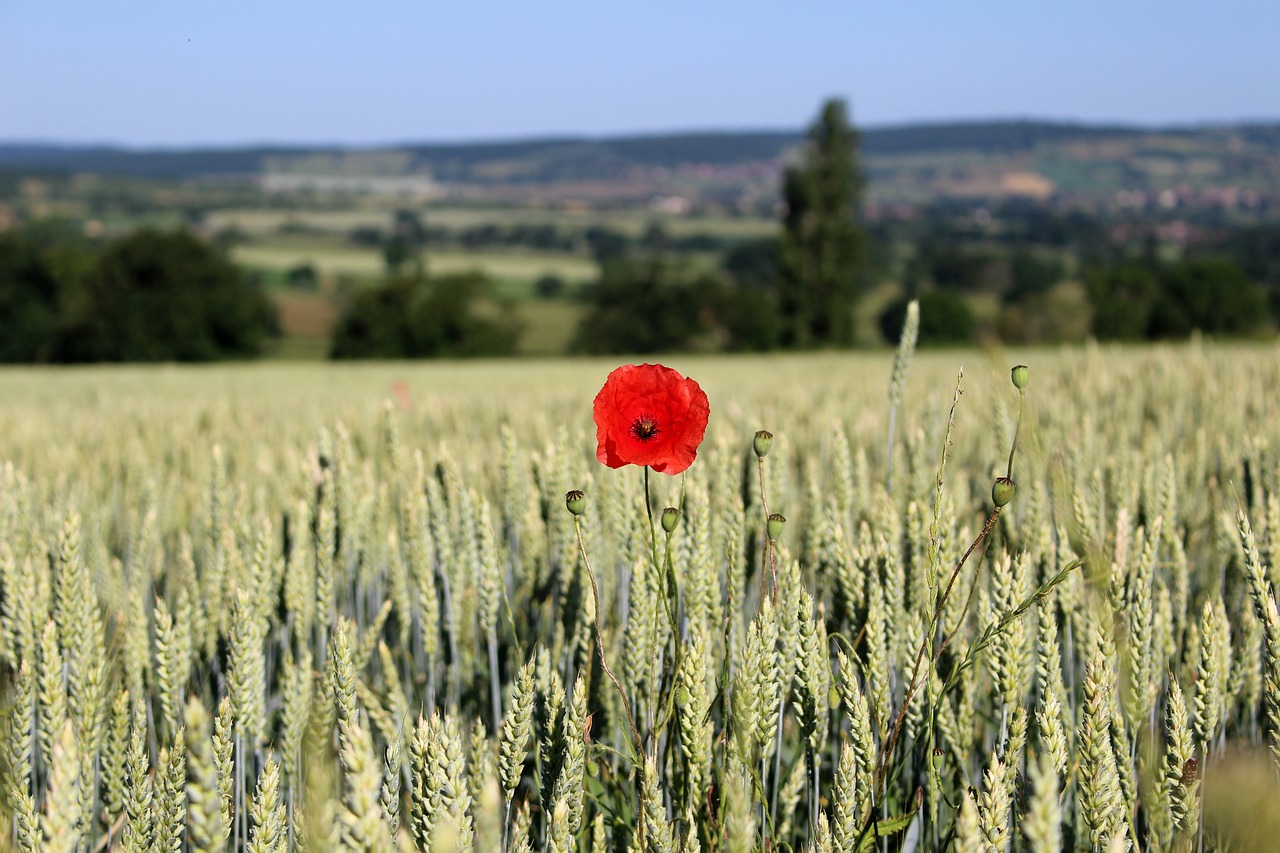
x=548 y=325
x=255 y=221
x=630 y=222
x=338 y=259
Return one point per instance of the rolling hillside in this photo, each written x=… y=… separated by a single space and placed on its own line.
x=905 y=163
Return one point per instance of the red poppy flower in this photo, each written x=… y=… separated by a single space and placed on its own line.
x=648 y=414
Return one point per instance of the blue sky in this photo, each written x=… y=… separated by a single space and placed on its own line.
x=202 y=72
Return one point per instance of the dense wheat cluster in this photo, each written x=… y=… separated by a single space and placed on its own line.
x=315 y=608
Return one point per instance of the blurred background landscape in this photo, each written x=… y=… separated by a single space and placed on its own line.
x=172 y=241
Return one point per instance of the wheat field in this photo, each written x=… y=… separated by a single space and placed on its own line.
x=314 y=607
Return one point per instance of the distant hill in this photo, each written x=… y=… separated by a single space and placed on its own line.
x=907 y=162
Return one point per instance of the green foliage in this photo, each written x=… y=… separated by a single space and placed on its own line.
x=549 y=286
x=754 y=264
x=953 y=266
x=413 y=316
x=29 y=300
x=641 y=307
x=606 y=245
x=821 y=251
x=302 y=277
x=651 y=306
x=1211 y=295
x=1031 y=274
x=1146 y=301
x=164 y=296
x=945 y=319
x=398 y=252
x=403 y=247
x=1122 y=300
x=1256 y=249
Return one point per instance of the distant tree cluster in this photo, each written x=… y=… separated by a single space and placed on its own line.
x=797 y=291
x=419 y=316
x=1135 y=302
x=653 y=305
x=1052 y=276
x=151 y=296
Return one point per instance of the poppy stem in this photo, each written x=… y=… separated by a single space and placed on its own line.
x=767 y=559
x=653 y=530
x=648 y=502
x=604 y=664
x=1017 y=431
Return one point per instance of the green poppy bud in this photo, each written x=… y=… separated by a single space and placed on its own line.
x=761 y=443
x=1019 y=374
x=776 y=522
x=576 y=501
x=1002 y=491
x=670 y=518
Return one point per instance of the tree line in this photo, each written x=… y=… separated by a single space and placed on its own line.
x=150 y=296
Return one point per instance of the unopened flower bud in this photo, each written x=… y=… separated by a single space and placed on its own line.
x=1019 y=374
x=776 y=522
x=576 y=501
x=1002 y=491
x=761 y=443
x=670 y=518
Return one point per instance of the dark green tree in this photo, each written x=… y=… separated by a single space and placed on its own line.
x=822 y=248
x=753 y=264
x=165 y=296
x=1122 y=299
x=549 y=286
x=29 y=300
x=952 y=265
x=398 y=252
x=650 y=306
x=639 y=307
x=945 y=319
x=606 y=245
x=303 y=277
x=413 y=316
x=1208 y=294
x=1031 y=273
x=656 y=241
x=402 y=251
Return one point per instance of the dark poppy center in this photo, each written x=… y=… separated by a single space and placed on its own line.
x=645 y=427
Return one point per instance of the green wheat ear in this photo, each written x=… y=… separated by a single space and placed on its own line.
x=206 y=823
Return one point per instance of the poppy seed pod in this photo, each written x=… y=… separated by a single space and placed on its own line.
x=761 y=443
x=575 y=500
x=1019 y=375
x=1002 y=491
x=776 y=522
x=670 y=518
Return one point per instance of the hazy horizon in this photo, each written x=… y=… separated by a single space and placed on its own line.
x=242 y=73
x=655 y=133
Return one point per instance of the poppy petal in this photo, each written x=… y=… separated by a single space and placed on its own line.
x=649 y=414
